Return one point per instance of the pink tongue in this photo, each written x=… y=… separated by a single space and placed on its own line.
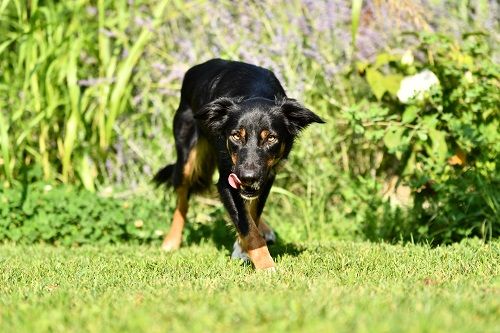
x=234 y=181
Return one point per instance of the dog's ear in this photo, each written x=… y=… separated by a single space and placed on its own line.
x=214 y=115
x=298 y=116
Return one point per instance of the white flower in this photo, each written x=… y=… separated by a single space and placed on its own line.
x=407 y=58
x=414 y=86
x=468 y=77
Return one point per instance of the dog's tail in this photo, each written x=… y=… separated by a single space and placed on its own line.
x=164 y=176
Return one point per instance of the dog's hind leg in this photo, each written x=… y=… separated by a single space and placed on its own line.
x=264 y=229
x=174 y=237
x=182 y=173
x=266 y=232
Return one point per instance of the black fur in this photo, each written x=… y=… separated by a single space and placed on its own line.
x=241 y=112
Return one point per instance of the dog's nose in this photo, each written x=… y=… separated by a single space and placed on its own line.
x=248 y=177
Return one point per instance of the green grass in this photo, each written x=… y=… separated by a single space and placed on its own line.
x=319 y=287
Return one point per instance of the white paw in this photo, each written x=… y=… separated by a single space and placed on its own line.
x=169 y=247
x=238 y=252
x=270 y=236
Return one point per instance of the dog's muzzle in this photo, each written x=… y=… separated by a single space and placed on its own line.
x=247 y=192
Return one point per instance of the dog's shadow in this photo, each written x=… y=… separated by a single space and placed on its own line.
x=221 y=235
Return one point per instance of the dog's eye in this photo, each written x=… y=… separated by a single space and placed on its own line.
x=271 y=138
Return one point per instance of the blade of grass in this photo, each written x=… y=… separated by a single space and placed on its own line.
x=355 y=16
x=70 y=133
x=125 y=71
x=5 y=144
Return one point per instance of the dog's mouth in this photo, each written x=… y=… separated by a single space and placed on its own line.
x=246 y=192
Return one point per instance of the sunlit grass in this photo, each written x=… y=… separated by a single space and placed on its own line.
x=319 y=287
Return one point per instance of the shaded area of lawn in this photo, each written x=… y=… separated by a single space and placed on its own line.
x=341 y=286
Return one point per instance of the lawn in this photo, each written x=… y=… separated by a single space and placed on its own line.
x=330 y=286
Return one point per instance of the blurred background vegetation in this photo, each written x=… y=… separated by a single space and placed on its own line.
x=88 y=91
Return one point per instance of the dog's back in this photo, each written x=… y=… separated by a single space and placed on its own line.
x=216 y=78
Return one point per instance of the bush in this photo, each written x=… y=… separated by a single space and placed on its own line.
x=68 y=215
x=440 y=135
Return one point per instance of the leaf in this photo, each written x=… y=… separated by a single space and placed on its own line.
x=392 y=82
x=410 y=114
x=381 y=84
x=430 y=122
x=384 y=58
x=5 y=44
x=422 y=135
x=87 y=171
x=439 y=147
x=376 y=81
x=409 y=168
x=393 y=137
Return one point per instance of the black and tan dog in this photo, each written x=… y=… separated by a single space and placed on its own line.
x=235 y=116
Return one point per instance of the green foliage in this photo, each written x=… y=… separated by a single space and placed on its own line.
x=69 y=216
x=65 y=80
x=444 y=141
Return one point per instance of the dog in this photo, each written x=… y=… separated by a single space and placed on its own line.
x=236 y=117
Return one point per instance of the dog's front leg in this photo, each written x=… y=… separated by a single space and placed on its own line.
x=256 y=247
x=244 y=216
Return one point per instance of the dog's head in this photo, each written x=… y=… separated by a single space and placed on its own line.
x=258 y=133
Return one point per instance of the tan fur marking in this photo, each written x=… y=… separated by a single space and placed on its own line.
x=234 y=156
x=173 y=239
x=282 y=151
x=251 y=209
x=201 y=161
x=264 y=134
x=243 y=133
x=190 y=165
x=192 y=169
x=254 y=244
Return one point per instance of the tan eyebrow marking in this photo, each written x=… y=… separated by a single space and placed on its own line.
x=264 y=134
